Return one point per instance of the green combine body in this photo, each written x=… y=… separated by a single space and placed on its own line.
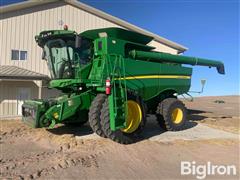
x=111 y=78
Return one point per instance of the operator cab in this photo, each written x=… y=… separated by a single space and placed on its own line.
x=63 y=55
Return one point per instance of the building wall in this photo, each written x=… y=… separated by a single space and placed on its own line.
x=17 y=31
x=162 y=48
x=9 y=95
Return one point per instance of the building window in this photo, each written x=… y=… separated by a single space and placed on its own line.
x=23 y=55
x=15 y=54
x=19 y=55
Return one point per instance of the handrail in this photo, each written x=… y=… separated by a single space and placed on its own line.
x=117 y=76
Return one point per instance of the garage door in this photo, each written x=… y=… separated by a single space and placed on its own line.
x=23 y=93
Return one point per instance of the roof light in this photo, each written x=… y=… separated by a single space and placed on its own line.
x=65 y=27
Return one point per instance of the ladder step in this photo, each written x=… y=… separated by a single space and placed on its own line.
x=120 y=102
x=119 y=98
x=121 y=117
x=120 y=108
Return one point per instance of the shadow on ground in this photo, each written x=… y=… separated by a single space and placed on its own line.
x=71 y=129
x=196 y=115
x=152 y=127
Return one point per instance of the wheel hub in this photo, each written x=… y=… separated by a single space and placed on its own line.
x=177 y=115
x=134 y=117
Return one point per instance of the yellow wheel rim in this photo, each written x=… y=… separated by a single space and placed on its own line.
x=134 y=117
x=177 y=115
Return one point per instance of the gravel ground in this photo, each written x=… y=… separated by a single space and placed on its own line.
x=76 y=153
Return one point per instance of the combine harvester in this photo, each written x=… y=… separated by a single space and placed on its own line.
x=112 y=78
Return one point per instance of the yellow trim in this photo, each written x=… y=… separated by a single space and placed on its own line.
x=134 y=117
x=155 y=77
x=177 y=115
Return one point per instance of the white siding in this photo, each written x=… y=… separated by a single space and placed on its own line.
x=162 y=48
x=8 y=95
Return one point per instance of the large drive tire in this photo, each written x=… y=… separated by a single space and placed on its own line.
x=94 y=114
x=172 y=114
x=132 y=133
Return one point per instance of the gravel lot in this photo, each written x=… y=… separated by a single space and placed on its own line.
x=76 y=153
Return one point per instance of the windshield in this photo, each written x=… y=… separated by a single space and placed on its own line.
x=62 y=56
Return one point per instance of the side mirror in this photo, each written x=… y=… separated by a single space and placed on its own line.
x=203 y=82
x=78 y=41
x=43 y=54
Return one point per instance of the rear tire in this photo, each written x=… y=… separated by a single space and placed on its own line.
x=119 y=135
x=172 y=114
x=94 y=114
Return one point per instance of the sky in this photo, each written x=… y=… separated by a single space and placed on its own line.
x=209 y=28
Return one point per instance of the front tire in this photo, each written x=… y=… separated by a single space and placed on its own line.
x=131 y=133
x=172 y=114
x=94 y=114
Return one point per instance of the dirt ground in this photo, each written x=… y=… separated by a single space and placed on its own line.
x=218 y=112
x=74 y=153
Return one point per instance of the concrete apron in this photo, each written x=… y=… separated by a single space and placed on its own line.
x=199 y=132
x=153 y=132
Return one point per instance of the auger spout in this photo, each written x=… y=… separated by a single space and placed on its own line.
x=170 y=58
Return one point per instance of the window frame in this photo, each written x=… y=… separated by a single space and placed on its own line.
x=16 y=58
x=25 y=55
x=19 y=55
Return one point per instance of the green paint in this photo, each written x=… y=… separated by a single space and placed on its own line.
x=164 y=57
x=121 y=55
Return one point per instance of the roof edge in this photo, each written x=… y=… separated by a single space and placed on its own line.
x=23 y=5
x=35 y=75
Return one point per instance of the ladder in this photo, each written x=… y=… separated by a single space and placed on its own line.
x=118 y=97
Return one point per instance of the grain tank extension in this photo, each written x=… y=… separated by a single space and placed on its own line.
x=111 y=78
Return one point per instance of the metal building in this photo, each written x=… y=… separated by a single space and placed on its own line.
x=22 y=72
